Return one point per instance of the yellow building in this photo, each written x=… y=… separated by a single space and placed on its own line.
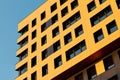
x=70 y=40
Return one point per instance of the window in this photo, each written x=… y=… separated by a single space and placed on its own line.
x=34 y=47
x=44 y=54
x=119 y=53
x=24 y=30
x=74 y=18
x=23 y=55
x=22 y=69
x=98 y=35
x=74 y=4
x=108 y=63
x=25 y=79
x=115 y=77
x=91 y=72
x=102 y=1
x=55 y=32
x=34 y=22
x=79 y=77
x=64 y=11
x=34 y=76
x=67 y=38
x=43 y=15
x=53 y=7
x=44 y=40
x=54 y=19
x=34 y=62
x=78 y=31
x=45 y=70
x=62 y=1
x=101 y=15
x=91 y=6
x=56 y=46
x=111 y=27
x=57 y=62
x=33 y=34
x=118 y=3
x=77 y=49
x=23 y=42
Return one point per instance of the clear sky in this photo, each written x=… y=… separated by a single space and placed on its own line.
x=11 y=13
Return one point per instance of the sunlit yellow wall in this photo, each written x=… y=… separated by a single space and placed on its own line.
x=87 y=35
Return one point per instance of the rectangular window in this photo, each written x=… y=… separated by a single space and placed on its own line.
x=119 y=53
x=77 y=49
x=91 y=72
x=43 y=40
x=34 y=22
x=98 y=35
x=118 y=3
x=56 y=46
x=43 y=15
x=25 y=79
x=34 y=61
x=34 y=76
x=33 y=34
x=79 y=31
x=22 y=69
x=67 y=38
x=101 y=15
x=23 y=42
x=64 y=11
x=91 y=6
x=74 y=18
x=54 y=19
x=23 y=55
x=111 y=27
x=115 y=77
x=108 y=63
x=34 y=47
x=79 y=77
x=62 y=1
x=24 y=30
x=74 y=4
x=55 y=32
x=44 y=54
x=53 y=7
x=102 y=1
x=45 y=70
x=57 y=62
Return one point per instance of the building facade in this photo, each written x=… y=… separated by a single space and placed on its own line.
x=70 y=40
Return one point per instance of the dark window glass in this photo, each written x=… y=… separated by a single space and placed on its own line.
x=43 y=40
x=24 y=30
x=57 y=62
x=22 y=69
x=34 y=76
x=45 y=70
x=119 y=53
x=118 y=3
x=111 y=27
x=43 y=27
x=98 y=35
x=62 y=1
x=77 y=49
x=91 y=72
x=79 y=77
x=74 y=4
x=44 y=54
x=34 y=61
x=115 y=77
x=33 y=34
x=74 y=18
x=101 y=15
x=54 y=19
x=25 y=79
x=34 y=47
x=55 y=32
x=102 y=1
x=56 y=46
x=23 y=42
x=78 y=31
x=54 y=7
x=23 y=55
x=64 y=11
x=43 y=15
x=67 y=38
x=91 y=6
x=108 y=63
x=34 y=22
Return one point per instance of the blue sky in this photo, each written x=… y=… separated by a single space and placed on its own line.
x=11 y=13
